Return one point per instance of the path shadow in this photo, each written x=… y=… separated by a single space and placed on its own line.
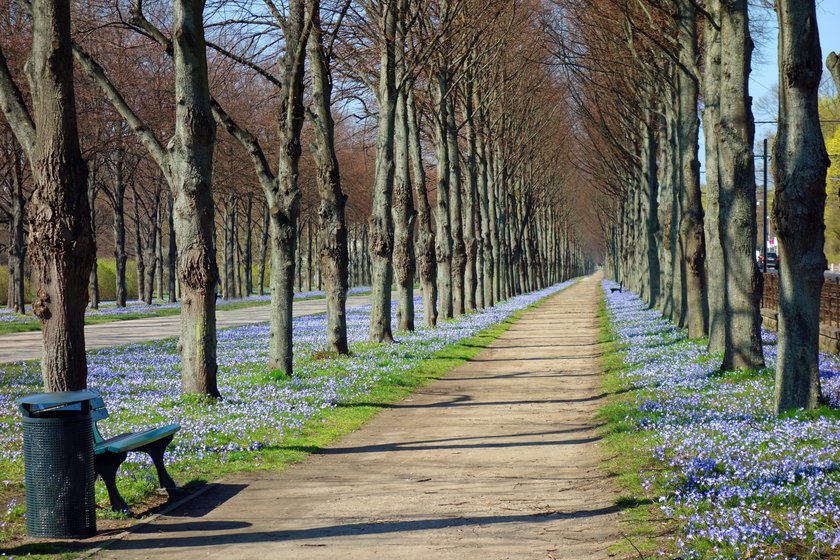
x=465 y=400
x=412 y=446
x=527 y=374
x=205 y=539
x=217 y=495
x=535 y=358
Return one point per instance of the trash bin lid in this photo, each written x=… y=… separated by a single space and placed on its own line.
x=39 y=402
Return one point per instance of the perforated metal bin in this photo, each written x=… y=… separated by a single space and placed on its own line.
x=58 y=464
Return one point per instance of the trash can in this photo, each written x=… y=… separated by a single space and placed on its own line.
x=58 y=464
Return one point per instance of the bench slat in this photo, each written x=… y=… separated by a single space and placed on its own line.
x=98 y=414
x=130 y=441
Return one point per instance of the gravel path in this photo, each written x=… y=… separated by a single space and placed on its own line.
x=499 y=459
x=27 y=346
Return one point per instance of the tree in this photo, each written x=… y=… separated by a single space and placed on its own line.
x=735 y=133
x=800 y=163
x=332 y=237
x=187 y=164
x=60 y=238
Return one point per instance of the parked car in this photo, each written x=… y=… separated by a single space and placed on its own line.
x=772 y=260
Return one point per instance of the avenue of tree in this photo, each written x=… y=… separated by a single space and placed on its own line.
x=260 y=146
x=645 y=74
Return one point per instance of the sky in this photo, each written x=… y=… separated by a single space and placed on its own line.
x=765 y=73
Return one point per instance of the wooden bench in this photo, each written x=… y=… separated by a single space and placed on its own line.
x=614 y=290
x=109 y=453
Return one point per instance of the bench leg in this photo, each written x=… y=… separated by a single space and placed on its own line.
x=156 y=450
x=106 y=466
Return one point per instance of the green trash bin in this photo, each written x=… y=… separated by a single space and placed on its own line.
x=58 y=464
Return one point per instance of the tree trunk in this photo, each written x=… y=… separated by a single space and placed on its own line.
x=94 y=276
x=159 y=248
x=60 y=238
x=138 y=251
x=800 y=162
x=191 y=165
x=493 y=174
x=285 y=202
x=691 y=232
x=484 y=208
x=737 y=223
x=470 y=188
x=150 y=256
x=17 y=248
x=711 y=110
x=833 y=64
x=459 y=251
x=443 y=235
x=237 y=252
x=403 y=206
x=281 y=282
x=650 y=216
x=381 y=242
x=173 y=251
x=249 y=278
x=120 y=256
x=263 y=249
x=426 y=259
x=332 y=238
x=229 y=288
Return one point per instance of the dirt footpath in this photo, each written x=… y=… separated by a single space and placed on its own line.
x=499 y=459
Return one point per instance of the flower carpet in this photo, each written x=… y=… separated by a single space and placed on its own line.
x=737 y=481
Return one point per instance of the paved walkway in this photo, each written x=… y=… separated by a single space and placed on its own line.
x=499 y=459
x=27 y=346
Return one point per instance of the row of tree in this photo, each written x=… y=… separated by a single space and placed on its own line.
x=696 y=262
x=222 y=97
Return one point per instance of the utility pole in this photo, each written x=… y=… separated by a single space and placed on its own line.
x=764 y=210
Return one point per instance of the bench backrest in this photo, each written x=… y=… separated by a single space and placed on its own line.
x=97 y=412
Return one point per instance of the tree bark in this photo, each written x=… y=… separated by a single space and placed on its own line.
x=94 y=277
x=469 y=202
x=285 y=201
x=443 y=235
x=691 y=232
x=247 y=257
x=229 y=286
x=381 y=241
x=159 y=247
x=191 y=165
x=650 y=216
x=833 y=64
x=332 y=237
x=60 y=238
x=17 y=247
x=138 y=251
x=711 y=110
x=120 y=256
x=737 y=223
x=456 y=224
x=403 y=204
x=800 y=163
x=426 y=259
x=484 y=207
x=173 y=251
x=263 y=249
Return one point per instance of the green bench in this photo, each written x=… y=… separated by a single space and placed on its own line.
x=109 y=453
